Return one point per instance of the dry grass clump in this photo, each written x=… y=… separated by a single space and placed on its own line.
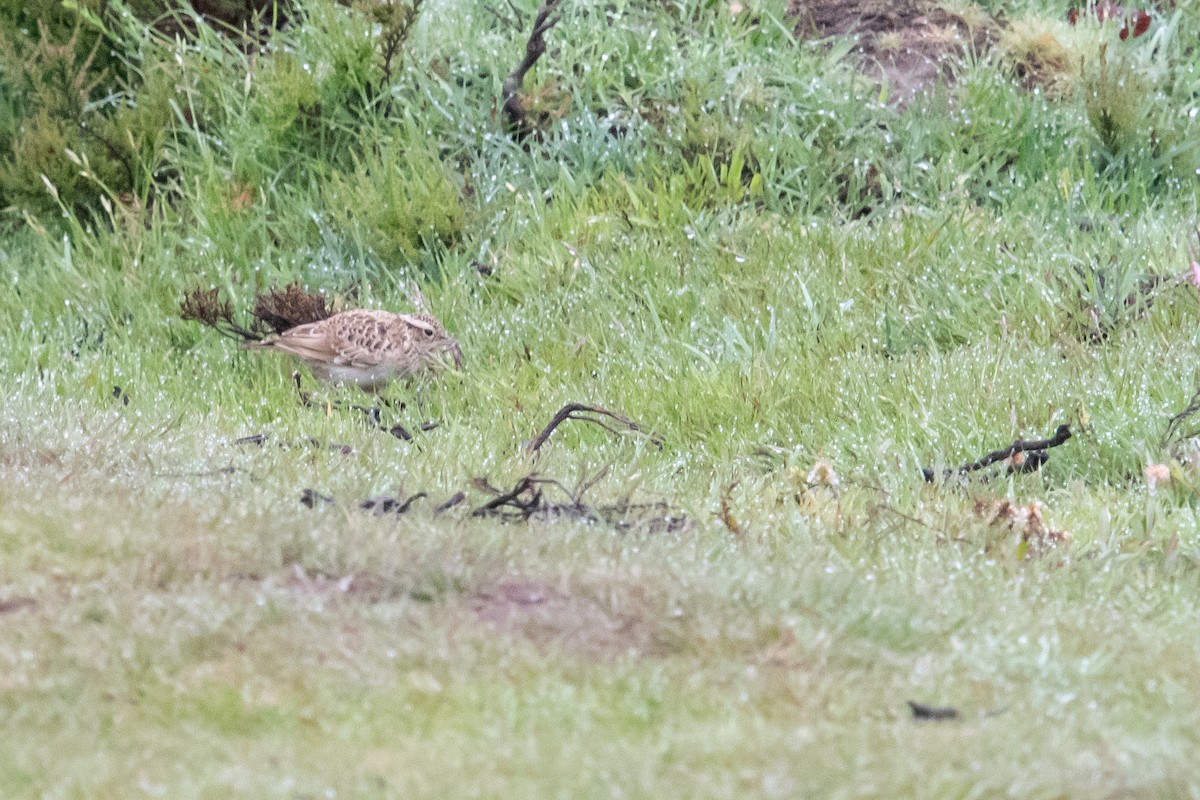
x=275 y=311
x=1039 y=58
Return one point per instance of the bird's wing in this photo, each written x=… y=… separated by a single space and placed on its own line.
x=360 y=339
x=352 y=338
x=311 y=342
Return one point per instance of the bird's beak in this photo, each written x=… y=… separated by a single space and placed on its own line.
x=457 y=352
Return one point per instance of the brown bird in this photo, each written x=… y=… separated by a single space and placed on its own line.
x=366 y=347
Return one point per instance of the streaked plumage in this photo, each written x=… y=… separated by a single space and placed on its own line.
x=367 y=347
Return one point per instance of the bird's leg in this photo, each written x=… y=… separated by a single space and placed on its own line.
x=305 y=397
x=371 y=413
x=397 y=429
x=426 y=424
x=420 y=397
x=391 y=404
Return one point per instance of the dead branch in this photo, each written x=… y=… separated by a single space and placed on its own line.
x=725 y=514
x=284 y=309
x=311 y=499
x=454 y=500
x=527 y=500
x=386 y=504
x=275 y=311
x=211 y=310
x=923 y=711
x=255 y=438
x=1016 y=451
x=1173 y=424
x=513 y=498
x=578 y=411
x=535 y=48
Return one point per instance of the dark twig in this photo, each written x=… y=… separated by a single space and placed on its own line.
x=372 y=413
x=255 y=438
x=389 y=505
x=526 y=500
x=211 y=310
x=535 y=48
x=511 y=498
x=923 y=711
x=516 y=12
x=384 y=504
x=311 y=499
x=454 y=500
x=275 y=311
x=1173 y=424
x=1035 y=448
x=580 y=412
x=259 y=439
x=284 y=309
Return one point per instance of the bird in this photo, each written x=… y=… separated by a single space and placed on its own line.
x=367 y=347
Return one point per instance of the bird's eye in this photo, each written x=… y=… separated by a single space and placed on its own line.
x=429 y=332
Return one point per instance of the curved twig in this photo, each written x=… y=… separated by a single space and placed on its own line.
x=1037 y=448
x=580 y=412
x=1174 y=422
x=535 y=48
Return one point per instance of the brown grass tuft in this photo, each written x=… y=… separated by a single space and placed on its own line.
x=284 y=309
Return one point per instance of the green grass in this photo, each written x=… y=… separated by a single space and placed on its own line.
x=723 y=235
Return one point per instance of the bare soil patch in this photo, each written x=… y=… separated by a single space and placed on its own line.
x=550 y=616
x=910 y=44
x=572 y=620
x=14 y=604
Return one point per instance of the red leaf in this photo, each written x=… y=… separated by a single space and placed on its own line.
x=1141 y=23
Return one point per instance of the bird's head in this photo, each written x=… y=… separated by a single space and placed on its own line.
x=430 y=340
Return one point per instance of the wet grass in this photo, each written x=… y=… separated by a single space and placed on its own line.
x=176 y=622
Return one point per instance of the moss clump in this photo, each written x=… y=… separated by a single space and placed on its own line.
x=70 y=130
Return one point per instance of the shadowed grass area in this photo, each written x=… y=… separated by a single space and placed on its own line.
x=721 y=231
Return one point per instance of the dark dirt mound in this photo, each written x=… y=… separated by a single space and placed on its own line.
x=910 y=44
